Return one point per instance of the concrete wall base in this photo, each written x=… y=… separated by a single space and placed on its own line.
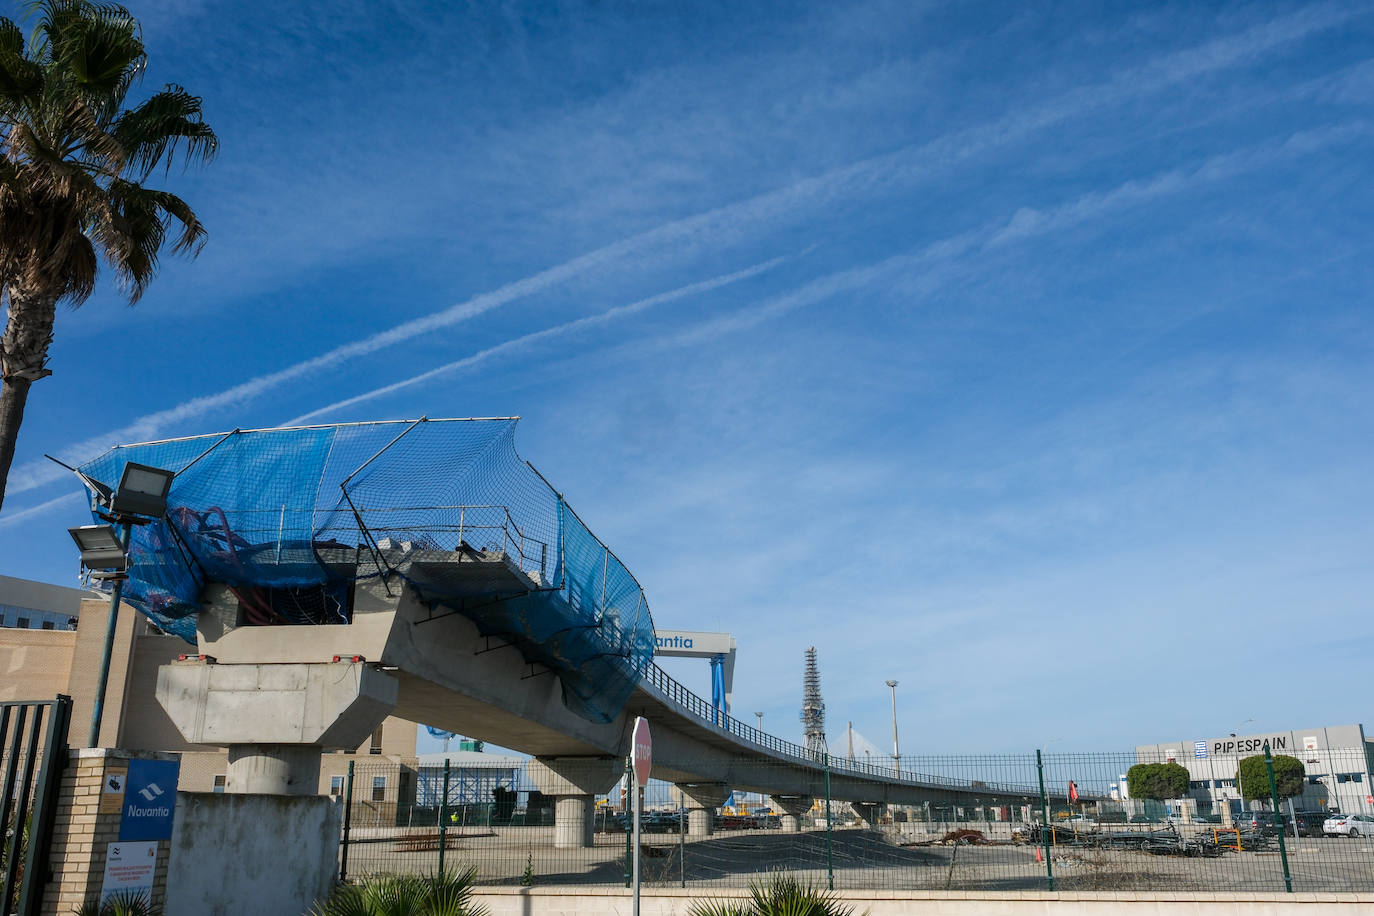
x=269 y=855
x=552 y=901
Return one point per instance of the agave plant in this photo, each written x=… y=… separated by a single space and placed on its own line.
x=124 y=903
x=441 y=894
x=778 y=894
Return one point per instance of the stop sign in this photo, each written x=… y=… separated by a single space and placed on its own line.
x=642 y=751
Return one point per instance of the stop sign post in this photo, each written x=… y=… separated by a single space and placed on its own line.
x=641 y=761
x=642 y=752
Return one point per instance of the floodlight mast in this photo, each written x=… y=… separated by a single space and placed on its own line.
x=140 y=498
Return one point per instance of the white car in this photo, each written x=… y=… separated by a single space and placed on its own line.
x=1351 y=825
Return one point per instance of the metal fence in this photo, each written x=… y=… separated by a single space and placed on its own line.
x=996 y=831
x=33 y=745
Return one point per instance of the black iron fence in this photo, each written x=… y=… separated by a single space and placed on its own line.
x=33 y=745
x=1100 y=823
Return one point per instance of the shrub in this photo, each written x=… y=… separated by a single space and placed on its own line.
x=1159 y=781
x=778 y=894
x=125 y=903
x=1289 y=776
x=441 y=894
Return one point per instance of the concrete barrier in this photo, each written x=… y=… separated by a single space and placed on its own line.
x=552 y=901
x=269 y=855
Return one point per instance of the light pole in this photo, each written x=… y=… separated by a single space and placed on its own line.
x=896 y=753
x=759 y=716
x=140 y=498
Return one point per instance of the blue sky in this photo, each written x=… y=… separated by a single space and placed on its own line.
x=1023 y=356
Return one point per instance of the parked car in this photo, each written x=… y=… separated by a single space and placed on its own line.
x=1351 y=825
x=1309 y=823
x=1263 y=821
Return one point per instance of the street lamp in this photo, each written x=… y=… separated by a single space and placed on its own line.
x=102 y=551
x=896 y=754
x=140 y=498
x=760 y=718
x=1240 y=791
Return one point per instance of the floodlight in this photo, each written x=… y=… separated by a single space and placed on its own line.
x=142 y=491
x=100 y=547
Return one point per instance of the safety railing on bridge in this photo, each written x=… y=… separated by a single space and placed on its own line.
x=674 y=692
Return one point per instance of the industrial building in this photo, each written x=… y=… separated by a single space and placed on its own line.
x=1337 y=760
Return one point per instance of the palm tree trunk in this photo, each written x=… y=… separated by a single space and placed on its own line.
x=13 y=396
x=23 y=360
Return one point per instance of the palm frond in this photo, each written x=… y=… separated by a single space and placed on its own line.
x=103 y=52
x=345 y=901
x=723 y=907
x=20 y=78
x=155 y=129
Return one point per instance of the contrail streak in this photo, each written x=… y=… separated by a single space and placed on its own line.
x=720 y=226
x=519 y=343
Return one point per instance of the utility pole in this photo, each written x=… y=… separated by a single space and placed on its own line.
x=896 y=753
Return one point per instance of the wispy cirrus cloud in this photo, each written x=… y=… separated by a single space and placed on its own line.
x=526 y=341
x=727 y=225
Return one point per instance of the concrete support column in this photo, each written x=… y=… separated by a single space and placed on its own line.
x=792 y=808
x=869 y=811
x=281 y=769
x=574 y=821
x=701 y=821
x=705 y=798
x=574 y=782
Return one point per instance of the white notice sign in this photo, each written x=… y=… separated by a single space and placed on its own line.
x=129 y=869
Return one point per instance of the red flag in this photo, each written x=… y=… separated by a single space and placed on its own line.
x=1073 y=792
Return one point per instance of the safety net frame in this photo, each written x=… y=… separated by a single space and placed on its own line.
x=291 y=518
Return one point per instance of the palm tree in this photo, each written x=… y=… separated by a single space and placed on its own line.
x=73 y=159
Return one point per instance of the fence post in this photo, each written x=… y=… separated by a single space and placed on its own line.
x=443 y=818
x=1045 y=814
x=629 y=875
x=348 y=823
x=1278 y=818
x=829 y=840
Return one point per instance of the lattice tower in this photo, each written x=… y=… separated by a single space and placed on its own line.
x=813 y=707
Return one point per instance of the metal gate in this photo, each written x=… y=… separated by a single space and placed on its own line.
x=33 y=750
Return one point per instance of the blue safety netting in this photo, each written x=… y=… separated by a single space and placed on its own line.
x=290 y=518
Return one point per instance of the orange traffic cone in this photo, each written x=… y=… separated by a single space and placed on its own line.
x=1039 y=856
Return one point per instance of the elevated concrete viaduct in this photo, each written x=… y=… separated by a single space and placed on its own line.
x=278 y=696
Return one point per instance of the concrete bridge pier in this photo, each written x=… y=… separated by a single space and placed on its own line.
x=869 y=811
x=706 y=797
x=574 y=782
x=792 y=808
x=276 y=719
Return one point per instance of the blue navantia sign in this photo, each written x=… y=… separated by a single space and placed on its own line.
x=150 y=797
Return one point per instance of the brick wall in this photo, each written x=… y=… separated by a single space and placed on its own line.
x=82 y=831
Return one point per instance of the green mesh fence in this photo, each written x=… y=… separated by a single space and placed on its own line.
x=968 y=828
x=289 y=518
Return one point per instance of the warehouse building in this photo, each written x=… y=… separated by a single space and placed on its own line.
x=1336 y=758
